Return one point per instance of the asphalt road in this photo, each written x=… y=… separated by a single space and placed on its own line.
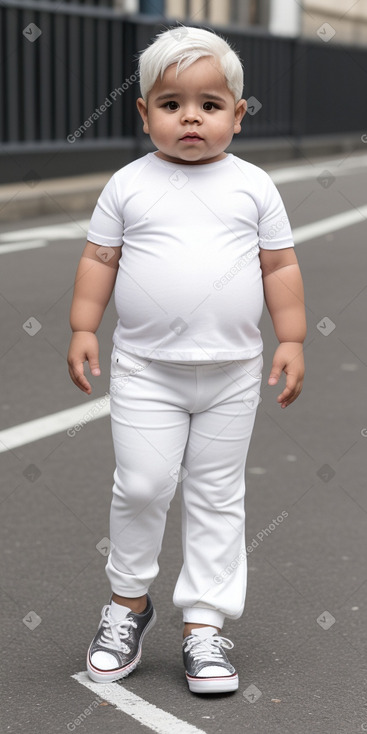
x=300 y=647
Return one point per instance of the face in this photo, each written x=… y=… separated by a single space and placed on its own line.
x=192 y=119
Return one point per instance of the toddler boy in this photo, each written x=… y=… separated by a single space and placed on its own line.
x=197 y=238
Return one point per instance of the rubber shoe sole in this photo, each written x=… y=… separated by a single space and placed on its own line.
x=109 y=676
x=223 y=684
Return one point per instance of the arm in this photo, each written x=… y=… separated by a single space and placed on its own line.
x=284 y=297
x=94 y=283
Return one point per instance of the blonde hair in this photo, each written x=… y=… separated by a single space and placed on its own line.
x=183 y=46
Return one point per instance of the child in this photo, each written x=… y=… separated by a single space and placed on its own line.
x=204 y=235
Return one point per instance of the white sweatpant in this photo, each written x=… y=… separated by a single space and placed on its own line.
x=187 y=425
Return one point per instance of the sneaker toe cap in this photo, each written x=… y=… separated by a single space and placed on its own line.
x=213 y=671
x=104 y=660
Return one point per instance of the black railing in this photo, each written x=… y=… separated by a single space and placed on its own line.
x=61 y=63
x=105 y=3
x=69 y=81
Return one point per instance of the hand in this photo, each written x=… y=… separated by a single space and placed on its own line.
x=288 y=357
x=83 y=347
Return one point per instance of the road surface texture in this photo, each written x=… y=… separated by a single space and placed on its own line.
x=300 y=646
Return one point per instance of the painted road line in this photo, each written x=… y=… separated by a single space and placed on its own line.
x=330 y=224
x=300 y=234
x=146 y=713
x=86 y=412
x=62 y=231
x=70 y=420
x=308 y=171
x=17 y=246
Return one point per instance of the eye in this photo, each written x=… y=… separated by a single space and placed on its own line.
x=171 y=102
x=211 y=105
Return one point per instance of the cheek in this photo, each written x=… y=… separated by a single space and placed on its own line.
x=227 y=127
x=162 y=126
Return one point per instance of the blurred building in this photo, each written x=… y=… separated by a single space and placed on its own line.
x=347 y=20
x=74 y=69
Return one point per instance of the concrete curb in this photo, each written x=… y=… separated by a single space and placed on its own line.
x=53 y=196
x=76 y=194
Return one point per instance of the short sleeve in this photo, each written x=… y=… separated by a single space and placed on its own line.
x=274 y=228
x=106 y=226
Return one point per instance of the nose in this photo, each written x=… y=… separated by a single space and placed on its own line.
x=191 y=114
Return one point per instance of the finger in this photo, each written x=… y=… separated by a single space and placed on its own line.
x=94 y=364
x=288 y=402
x=285 y=395
x=276 y=371
x=290 y=385
x=80 y=380
x=83 y=385
x=288 y=397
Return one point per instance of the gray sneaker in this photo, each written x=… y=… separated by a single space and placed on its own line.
x=115 y=650
x=207 y=667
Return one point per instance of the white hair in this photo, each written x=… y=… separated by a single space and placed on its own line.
x=183 y=46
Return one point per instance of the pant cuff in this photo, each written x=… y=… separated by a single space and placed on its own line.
x=129 y=593
x=200 y=615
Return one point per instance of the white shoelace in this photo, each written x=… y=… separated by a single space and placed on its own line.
x=114 y=632
x=208 y=649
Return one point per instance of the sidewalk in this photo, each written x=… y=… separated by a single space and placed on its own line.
x=50 y=196
x=76 y=194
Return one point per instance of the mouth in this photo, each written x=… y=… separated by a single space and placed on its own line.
x=191 y=138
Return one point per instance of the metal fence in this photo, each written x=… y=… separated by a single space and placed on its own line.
x=68 y=80
x=60 y=63
x=97 y=3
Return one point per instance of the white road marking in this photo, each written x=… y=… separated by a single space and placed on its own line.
x=80 y=415
x=62 y=231
x=308 y=171
x=330 y=224
x=57 y=422
x=300 y=234
x=35 y=237
x=146 y=713
x=256 y=470
x=17 y=246
x=30 y=238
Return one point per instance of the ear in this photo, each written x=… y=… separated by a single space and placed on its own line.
x=143 y=111
x=239 y=113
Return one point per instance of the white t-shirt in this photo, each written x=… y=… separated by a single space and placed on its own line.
x=189 y=284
